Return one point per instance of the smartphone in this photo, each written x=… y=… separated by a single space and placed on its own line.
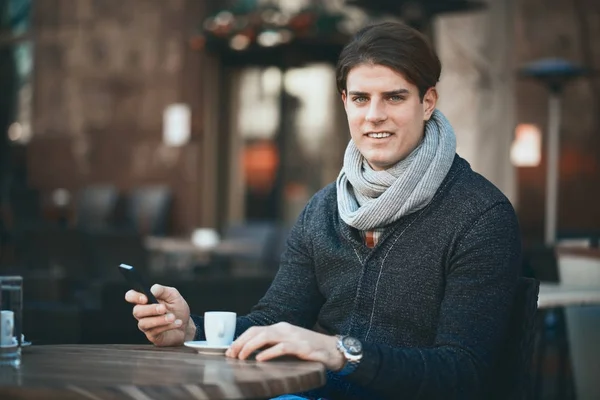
x=136 y=281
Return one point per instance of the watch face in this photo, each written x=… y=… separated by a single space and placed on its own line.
x=352 y=345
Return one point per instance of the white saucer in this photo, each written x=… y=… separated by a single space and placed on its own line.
x=204 y=348
x=24 y=343
x=9 y=345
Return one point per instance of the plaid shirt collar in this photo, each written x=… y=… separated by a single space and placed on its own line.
x=371 y=237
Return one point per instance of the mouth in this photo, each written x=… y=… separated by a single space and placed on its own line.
x=378 y=135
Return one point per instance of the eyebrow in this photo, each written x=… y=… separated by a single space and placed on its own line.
x=389 y=93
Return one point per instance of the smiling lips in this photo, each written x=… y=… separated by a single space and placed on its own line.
x=379 y=135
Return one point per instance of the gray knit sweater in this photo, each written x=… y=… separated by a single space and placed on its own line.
x=430 y=302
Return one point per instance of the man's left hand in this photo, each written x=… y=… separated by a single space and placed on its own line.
x=286 y=339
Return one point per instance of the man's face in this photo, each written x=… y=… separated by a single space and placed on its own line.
x=385 y=114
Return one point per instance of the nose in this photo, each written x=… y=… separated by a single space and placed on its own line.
x=376 y=112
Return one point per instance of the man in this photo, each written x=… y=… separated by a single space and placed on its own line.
x=399 y=277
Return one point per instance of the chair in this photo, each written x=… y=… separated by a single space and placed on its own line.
x=541 y=263
x=512 y=374
x=148 y=209
x=262 y=248
x=95 y=207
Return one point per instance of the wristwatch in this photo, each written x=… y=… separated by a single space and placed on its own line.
x=351 y=349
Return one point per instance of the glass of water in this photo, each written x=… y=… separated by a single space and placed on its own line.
x=11 y=320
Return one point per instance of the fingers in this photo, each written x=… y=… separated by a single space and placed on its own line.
x=262 y=339
x=285 y=339
x=281 y=349
x=135 y=297
x=280 y=346
x=149 y=323
x=151 y=310
x=237 y=346
x=161 y=323
x=152 y=334
x=165 y=293
x=256 y=338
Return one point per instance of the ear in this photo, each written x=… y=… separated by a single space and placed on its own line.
x=344 y=97
x=429 y=102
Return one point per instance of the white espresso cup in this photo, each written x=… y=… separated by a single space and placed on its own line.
x=7 y=326
x=219 y=327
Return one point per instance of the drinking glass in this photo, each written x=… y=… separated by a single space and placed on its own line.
x=11 y=322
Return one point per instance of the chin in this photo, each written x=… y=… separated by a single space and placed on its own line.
x=380 y=165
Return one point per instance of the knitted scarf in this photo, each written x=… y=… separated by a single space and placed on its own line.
x=369 y=199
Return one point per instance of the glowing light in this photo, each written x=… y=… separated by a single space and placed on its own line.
x=210 y=24
x=526 y=149
x=239 y=42
x=15 y=132
x=61 y=197
x=177 y=125
x=271 y=81
x=224 y=18
x=269 y=38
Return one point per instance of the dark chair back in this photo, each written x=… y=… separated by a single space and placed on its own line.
x=148 y=209
x=258 y=233
x=95 y=207
x=512 y=374
x=260 y=240
x=540 y=262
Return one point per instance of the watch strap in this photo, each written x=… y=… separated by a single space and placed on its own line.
x=351 y=361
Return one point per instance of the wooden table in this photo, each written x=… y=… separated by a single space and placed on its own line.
x=147 y=372
x=557 y=295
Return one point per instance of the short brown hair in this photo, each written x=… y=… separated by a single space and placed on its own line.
x=396 y=46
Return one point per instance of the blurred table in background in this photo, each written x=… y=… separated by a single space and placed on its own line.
x=558 y=295
x=184 y=245
x=181 y=254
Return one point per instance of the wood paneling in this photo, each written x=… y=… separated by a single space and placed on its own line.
x=104 y=72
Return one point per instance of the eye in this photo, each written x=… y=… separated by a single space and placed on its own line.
x=396 y=98
x=360 y=99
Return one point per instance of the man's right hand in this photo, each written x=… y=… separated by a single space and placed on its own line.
x=164 y=324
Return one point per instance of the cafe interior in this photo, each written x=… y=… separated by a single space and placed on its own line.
x=184 y=137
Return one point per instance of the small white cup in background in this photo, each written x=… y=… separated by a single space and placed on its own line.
x=205 y=238
x=7 y=325
x=219 y=327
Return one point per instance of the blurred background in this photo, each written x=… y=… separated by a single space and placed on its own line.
x=185 y=136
